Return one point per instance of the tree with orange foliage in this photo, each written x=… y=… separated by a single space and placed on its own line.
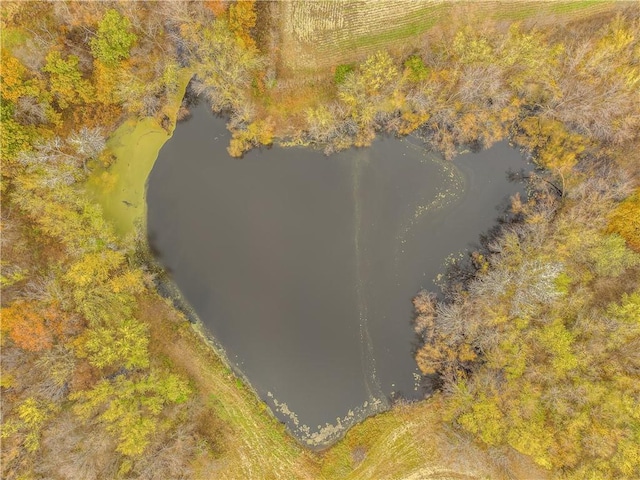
x=31 y=327
x=242 y=18
x=15 y=80
x=218 y=7
x=257 y=133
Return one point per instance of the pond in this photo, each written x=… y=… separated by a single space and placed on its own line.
x=303 y=266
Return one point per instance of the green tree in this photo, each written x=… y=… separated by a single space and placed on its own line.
x=341 y=73
x=415 y=69
x=65 y=80
x=113 y=39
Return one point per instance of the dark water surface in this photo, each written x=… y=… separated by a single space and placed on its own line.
x=303 y=266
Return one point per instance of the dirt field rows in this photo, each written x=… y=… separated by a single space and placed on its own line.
x=318 y=35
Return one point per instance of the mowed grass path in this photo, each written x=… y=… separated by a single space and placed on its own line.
x=254 y=444
x=409 y=442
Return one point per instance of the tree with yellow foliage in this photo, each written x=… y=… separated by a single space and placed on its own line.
x=130 y=407
x=66 y=83
x=625 y=220
x=533 y=355
x=242 y=18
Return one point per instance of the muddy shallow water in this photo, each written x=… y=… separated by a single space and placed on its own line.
x=303 y=266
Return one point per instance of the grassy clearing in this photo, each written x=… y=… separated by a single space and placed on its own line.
x=120 y=188
x=319 y=35
x=388 y=445
x=12 y=37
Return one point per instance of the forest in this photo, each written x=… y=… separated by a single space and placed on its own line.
x=535 y=342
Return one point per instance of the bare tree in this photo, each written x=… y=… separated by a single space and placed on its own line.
x=88 y=143
x=29 y=111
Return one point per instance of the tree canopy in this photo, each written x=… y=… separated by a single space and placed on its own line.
x=113 y=40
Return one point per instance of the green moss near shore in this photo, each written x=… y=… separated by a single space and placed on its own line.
x=121 y=188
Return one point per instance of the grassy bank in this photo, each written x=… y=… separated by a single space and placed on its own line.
x=120 y=188
x=408 y=442
x=252 y=443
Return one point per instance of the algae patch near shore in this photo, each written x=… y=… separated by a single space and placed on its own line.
x=120 y=188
